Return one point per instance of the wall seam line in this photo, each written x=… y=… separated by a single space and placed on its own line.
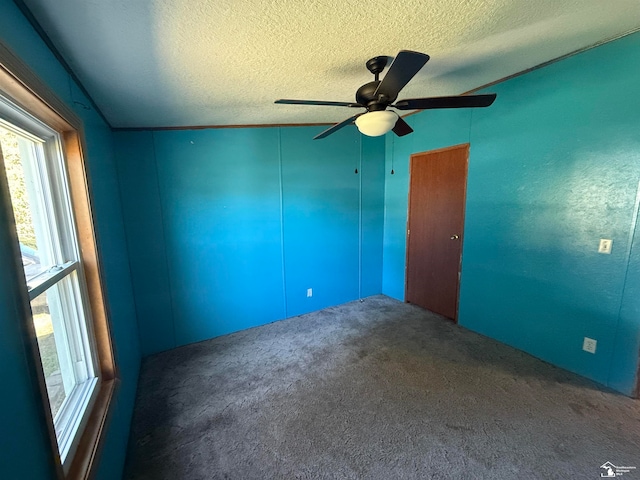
x=164 y=240
x=127 y=241
x=281 y=188
x=360 y=236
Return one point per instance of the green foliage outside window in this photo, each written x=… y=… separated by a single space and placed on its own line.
x=15 y=177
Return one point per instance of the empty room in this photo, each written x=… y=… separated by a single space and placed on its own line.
x=319 y=240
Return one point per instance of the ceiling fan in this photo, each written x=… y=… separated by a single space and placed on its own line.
x=379 y=95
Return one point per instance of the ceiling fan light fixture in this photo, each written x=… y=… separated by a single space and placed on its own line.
x=379 y=95
x=374 y=124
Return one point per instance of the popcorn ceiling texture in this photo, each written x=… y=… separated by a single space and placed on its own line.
x=180 y=63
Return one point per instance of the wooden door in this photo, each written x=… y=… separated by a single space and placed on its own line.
x=437 y=190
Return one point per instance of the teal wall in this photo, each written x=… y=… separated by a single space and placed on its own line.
x=24 y=449
x=554 y=166
x=228 y=228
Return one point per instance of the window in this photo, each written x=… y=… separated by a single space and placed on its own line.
x=58 y=282
x=39 y=193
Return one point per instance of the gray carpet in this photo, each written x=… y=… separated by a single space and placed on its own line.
x=372 y=390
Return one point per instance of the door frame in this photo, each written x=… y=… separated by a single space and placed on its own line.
x=467 y=146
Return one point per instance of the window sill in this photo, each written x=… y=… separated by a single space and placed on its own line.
x=86 y=456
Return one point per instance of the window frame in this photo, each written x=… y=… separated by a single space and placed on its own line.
x=23 y=88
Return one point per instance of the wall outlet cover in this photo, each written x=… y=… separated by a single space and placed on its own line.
x=309 y=292
x=589 y=345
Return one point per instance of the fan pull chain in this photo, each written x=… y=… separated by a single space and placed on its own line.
x=393 y=153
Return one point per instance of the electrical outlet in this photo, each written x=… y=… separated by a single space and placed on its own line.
x=605 y=245
x=589 y=345
x=309 y=292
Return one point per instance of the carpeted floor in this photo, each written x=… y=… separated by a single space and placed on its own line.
x=372 y=390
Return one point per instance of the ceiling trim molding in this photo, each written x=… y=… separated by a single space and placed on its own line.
x=555 y=60
x=542 y=65
x=56 y=53
x=209 y=127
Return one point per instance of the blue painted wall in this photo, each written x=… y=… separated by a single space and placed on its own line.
x=220 y=199
x=24 y=450
x=554 y=166
x=321 y=218
x=372 y=164
x=145 y=239
x=228 y=228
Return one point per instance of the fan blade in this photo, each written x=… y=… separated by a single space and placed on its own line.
x=401 y=71
x=317 y=102
x=463 y=101
x=402 y=128
x=336 y=127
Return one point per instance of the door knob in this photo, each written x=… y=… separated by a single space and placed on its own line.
x=455 y=237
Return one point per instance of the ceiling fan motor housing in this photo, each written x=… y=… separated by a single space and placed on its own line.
x=366 y=96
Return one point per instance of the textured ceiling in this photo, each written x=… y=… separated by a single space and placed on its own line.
x=222 y=62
